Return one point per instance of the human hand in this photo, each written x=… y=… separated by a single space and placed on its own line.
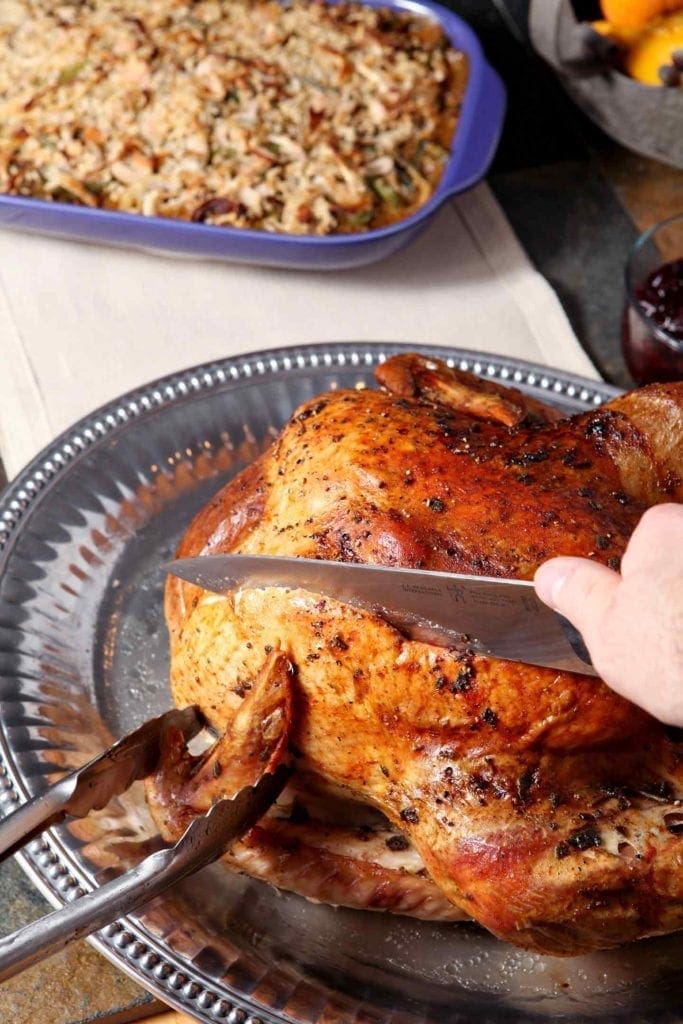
x=632 y=621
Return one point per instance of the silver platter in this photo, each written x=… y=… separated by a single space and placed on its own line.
x=83 y=659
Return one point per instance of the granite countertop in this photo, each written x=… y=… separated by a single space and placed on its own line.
x=77 y=986
x=577 y=202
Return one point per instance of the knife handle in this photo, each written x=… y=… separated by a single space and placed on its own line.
x=575 y=641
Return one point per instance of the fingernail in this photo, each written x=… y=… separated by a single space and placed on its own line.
x=550 y=580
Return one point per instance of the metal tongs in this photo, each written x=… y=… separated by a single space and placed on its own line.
x=90 y=788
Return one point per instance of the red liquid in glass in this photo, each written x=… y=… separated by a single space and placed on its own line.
x=647 y=354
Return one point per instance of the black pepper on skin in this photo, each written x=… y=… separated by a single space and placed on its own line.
x=397 y=843
x=241 y=689
x=478 y=782
x=311 y=410
x=489 y=716
x=597 y=428
x=585 y=839
x=527 y=458
x=463 y=680
x=527 y=780
x=410 y=814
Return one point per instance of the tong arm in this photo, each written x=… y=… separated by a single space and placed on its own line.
x=92 y=786
x=205 y=839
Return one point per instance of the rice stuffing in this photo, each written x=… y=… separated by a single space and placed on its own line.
x=304 y=117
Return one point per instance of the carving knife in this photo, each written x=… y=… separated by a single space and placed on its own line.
x=500 y=618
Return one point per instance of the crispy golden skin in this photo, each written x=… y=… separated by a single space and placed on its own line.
x=312 y=842
x=541 y=803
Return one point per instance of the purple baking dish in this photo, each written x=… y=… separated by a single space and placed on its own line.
x=474 y=145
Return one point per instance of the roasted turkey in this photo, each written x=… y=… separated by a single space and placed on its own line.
x=537 y=802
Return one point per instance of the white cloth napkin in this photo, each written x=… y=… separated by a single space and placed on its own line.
x=80 y=324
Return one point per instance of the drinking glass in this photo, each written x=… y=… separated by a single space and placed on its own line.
x=652 y=322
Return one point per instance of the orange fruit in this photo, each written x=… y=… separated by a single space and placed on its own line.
x=654 y=48
x=636 y=13
x=621 y=35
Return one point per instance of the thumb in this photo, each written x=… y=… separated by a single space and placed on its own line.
x=580 y=590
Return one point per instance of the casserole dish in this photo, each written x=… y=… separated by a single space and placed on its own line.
x=472 y=149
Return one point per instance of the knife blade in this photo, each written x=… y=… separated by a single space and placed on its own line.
x=500 y=618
